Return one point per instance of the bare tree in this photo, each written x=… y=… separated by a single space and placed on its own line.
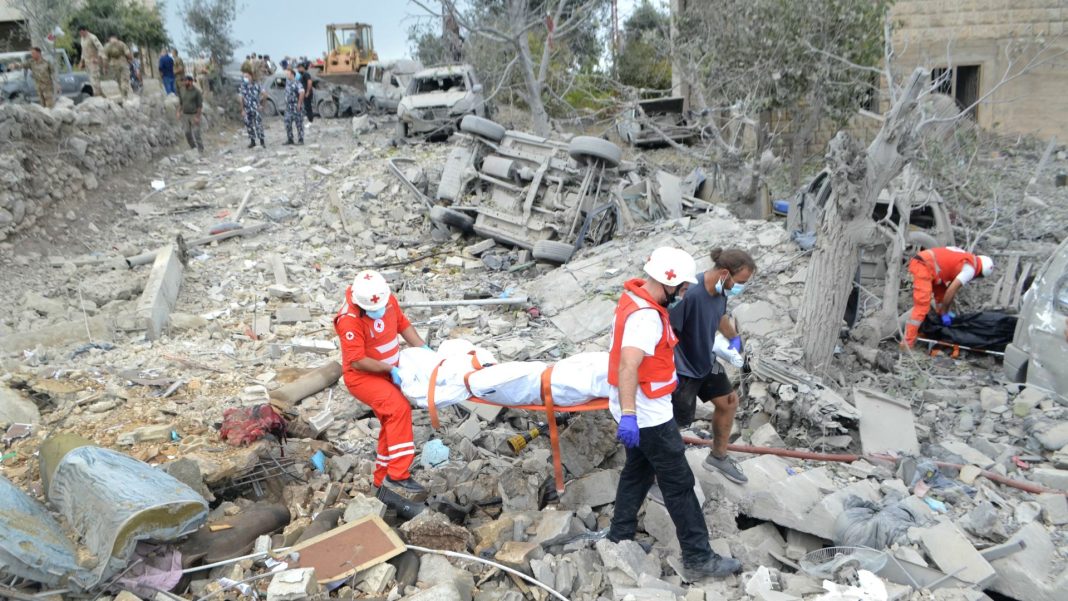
x=512 y=24
x=42 y=17
x=858 y=176
x=210 y=25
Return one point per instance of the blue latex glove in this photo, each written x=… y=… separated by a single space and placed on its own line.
x=427 y=347
x=395 y=374
x=947 y=319
x=627 y=432
x=736 y=344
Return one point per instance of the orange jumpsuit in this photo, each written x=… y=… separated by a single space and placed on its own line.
x=933 y=270
x=361 y=336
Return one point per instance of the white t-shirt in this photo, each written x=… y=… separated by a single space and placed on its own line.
x=966 y=274
x=643 y=330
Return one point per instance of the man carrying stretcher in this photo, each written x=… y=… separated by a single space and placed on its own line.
x=368 y=326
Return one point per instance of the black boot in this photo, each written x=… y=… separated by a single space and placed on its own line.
x=251 y=143
x=407 y=488
x=262 y=143
x=300 y=142
x=289 y=142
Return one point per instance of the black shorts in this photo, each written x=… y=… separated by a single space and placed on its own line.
x=684 y=398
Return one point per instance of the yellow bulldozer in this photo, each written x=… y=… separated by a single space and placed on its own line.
x=350 y=46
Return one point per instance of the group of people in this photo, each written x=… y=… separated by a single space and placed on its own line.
x=299 y=92
x=171 y=70
x=114 y=61
x=661 y=361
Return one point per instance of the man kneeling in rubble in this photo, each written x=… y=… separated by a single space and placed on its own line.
x=641 y=372
x=368 y=325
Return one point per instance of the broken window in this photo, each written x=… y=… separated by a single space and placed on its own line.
x=960 y=82
x=425 y=85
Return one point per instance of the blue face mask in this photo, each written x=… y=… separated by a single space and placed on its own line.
x=734 y=290
x=377 y=314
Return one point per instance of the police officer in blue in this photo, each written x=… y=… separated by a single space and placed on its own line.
x=251 y=96
x=294 y=107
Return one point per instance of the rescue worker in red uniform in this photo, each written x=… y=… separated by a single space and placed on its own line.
x=940 y=272
x=368 y=325
x=641 y=372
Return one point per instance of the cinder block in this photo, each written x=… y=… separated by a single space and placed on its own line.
x=161 y=292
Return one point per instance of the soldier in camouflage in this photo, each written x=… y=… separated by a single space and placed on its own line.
x=92 y=56
x=119 y=57
x=251 y=95
x=43 y=77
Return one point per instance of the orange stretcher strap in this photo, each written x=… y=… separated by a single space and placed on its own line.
x=547 y=406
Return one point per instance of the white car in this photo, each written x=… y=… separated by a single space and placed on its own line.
x=386 y=81
x=438 y=99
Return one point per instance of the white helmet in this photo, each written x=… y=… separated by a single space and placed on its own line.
x=671 y=266
x=370 y=290
x=986 y=265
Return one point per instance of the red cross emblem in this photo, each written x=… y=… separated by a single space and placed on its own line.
x=374 y=299
x=670 y=274
x=368 y=277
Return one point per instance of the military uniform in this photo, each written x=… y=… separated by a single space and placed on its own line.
x=250 y=100
x=92 y=57
x=179 y=69
x=294 y=112
x=44 y=79
x=119 y=56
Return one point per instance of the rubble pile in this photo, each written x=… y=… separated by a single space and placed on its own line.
x=217 y=292
x=59 y=154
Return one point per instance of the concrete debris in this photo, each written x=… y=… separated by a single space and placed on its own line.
x=139 y=339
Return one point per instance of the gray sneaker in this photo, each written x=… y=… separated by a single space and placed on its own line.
x=726 y=466
x=655 y=494
x=715 y=567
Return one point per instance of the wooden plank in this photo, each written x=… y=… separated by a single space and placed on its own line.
x=1008 y=282
x=345 y=550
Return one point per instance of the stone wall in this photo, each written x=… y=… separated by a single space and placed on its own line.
x=59 y=153
x=984 y=33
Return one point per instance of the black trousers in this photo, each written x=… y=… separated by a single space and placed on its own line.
x=308 y=107
x=660 y=455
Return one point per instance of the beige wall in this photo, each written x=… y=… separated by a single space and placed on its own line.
x=933 y=33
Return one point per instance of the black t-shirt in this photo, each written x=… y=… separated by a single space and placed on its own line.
x=695 y=320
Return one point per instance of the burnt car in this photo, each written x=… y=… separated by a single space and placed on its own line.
x=654 y=122
x=328 y=100
x=1038 y=353
x=16 y=82
x=542 y=194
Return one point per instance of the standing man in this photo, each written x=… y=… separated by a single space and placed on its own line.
x=119 y=57
x=294 y=107
x=190 y=107
x=251 y=96
x=368 y=325
x=166 y=72
x=641 y=372
x=696 y=319
x=136 y=79
x=306 y=83
x=940 y=272
x=246 y=67
x=92 y=57
x=179 y=65
x=44 y=78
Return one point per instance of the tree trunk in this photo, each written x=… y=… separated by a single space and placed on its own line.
x=538 y=114
x=857 y=179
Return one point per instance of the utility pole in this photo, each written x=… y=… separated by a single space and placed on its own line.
x=615 y=37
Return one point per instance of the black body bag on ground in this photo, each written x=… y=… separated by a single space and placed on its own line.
x=988 y=330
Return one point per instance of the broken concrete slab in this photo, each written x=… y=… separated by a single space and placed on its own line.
x=517 y=555
x=553 y=526
x=588 y=319
x=292 y=585
x=435 y=570
x=758 y=545
x=1054 y=438
x=967 y=453
x=362 y=506
x=628 y=557
x=1030 y=573
x=441 y=592
x=161 y=291
x=292 y=314
x=434 y=530
x=99 y=327
x=885 y=423
x=592 y=490
x=374 y=580
x=1054 y=508
x=1053 y=478
x=954 y=554
x=16 y=409
x=586 y=442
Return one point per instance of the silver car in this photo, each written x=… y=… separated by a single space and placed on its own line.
x=16 y=85
x=438 y=99
x=1038 y=353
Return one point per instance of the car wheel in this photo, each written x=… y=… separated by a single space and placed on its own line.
x=552 y=251
x=270 y=108
x=327 y=109
x=452 y=218
x=485 y=128
x=402 y=130
x=586 y=149
x=922 y=240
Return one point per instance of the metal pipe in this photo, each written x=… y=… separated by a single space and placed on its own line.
x=850 y=458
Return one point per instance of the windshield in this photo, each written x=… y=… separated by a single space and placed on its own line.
x=439 y=83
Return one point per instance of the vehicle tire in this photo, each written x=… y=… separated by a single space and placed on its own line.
x=402 y=130
x=87 y=91
x=485 y=128
x=327 y=109
x=922 y=240
x=552 y=251
x=270 y=109
x=452 y=218
x=586 y=148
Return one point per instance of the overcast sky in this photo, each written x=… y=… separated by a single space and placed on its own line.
x=294 y=28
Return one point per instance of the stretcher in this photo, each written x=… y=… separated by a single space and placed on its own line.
x=547 y=406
